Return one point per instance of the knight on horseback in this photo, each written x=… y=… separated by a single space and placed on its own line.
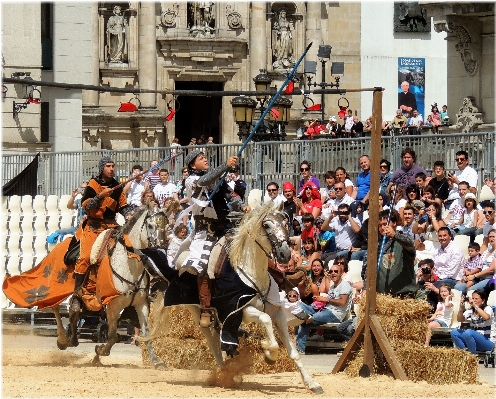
x=211 y=221
x=101 y=204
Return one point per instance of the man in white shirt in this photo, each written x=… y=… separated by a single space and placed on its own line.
x=345 y=228
x=448 y=260
x=464 y=173
x=135 y=188
x=341 y=197
x=273 y=192
x=489 y=225
x=164 y=189
x=414 y=122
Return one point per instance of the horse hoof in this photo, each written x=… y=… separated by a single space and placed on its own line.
x=160 y=365
x=269 y=361
x=317 y=390
x=99 y=350
x=61 y=346
x=96 y=361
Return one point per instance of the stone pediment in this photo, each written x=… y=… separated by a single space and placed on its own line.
x=205 y=50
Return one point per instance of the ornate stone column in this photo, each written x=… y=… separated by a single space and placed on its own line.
x=90 y=98
x=313 y=34
x=258 y=51
x=147 y=65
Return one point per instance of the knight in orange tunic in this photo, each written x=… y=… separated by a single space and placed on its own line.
x=101 y=203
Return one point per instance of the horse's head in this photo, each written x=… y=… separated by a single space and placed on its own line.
x=276 y=227
x=156 y=228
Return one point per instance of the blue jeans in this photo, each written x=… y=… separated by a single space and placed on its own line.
x=477 y=286
x=358 y=255
x=343 y=252
x=470 y=339
x=321 y=317
x=450 y=281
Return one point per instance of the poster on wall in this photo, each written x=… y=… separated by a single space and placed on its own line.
x=411 y=85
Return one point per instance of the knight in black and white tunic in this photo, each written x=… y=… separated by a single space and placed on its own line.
x=210 y=219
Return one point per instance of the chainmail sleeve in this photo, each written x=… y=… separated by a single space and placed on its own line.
x=212 y=175
x=93 y=203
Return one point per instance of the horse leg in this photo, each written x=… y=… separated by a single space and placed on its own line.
x=211 y=335
x=62 y=341
x=269 y=345
x=143 y=309
x=113 y=312
x=281 y=324
x=74 y=310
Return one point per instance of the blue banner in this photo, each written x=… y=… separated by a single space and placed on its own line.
x=411 y=85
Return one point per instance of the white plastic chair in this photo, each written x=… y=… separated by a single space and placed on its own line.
x=15 y=203
x=39 y=204
x=51 y=204
x=53 y=222
x=479 y=239
x=40 y=224
x=462 y=242
x=27 y=223
x=4 y=301
x=27 y=244
x=40 y=246
x=66 y=221
x=27 y=203
x=13 y=244
x=485 y=194
x=457 y=296
x=14 y=223
x=255 y=198
x=355 y=270
x=491 y=300
x=13 y=265
x=64 y=199
x=26 y=263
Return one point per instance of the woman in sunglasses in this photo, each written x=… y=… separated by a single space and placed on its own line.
x=385 y=167
x=310 y=201
x=306 y=173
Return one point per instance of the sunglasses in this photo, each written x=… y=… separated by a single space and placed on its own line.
x=339 y=262
x=488 y=212
x=383 y=166
x=339 y=188
x=304 y=169
x=308 y=188
x=272 y=190
x=334 y=271
x=460 y=159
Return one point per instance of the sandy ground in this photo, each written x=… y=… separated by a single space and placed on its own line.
x=34 y=368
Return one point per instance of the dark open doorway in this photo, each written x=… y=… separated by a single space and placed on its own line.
x=198 y=115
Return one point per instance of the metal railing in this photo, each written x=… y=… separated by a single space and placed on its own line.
x=261 y=163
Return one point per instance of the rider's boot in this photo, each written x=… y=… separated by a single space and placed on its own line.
x=76 y=301
x=205 y=297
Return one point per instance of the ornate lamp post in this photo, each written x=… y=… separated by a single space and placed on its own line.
x=279 y=116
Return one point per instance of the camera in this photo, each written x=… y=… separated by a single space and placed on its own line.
x=426 y=270
x=421 y=283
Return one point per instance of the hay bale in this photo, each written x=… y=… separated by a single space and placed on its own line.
x=183 y=346
x=404 y=323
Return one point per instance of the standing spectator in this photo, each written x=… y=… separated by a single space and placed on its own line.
x=444 y=115
x=152 y=178
x=289 y=193
x=333 y=127
x=165 y=189
x=489 y=225
x=306 y=173
x=436 y=118
x=405 y=175
x=338 y=303
x=385 y=168
x=345 y=228
x=329 y=193
x=310 y=201
x=174 y=147
x=210 y=140
x=464 y=173
x=181 y=193
x=342 y=176
x=273 y=192
x=396 y=275
x=348 y=123
x=367 y=127
x=134 y=188
x=362 y=189
x=439 y=182
x=448 y=260
x=480 y=315
x=357 y=128
x=406 y=100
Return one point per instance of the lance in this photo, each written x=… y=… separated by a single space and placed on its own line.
x=384 y=237
x=289 y=77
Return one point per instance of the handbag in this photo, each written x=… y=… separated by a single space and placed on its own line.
x=72 y=254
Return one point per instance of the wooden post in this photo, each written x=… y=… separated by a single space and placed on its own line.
x=370 y=326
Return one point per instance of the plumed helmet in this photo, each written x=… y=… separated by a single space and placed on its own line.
x=190 y=158
x=101 y=164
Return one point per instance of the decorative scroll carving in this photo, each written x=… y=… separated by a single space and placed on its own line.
x=234 y=19
x=117 y=37
x=410 y=17
x=282 y=41
x=468 y=116
x=92 y=136
x=201 y=20
x=168 y=18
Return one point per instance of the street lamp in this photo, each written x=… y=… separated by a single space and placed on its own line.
x=337 y=68
x=279 y=115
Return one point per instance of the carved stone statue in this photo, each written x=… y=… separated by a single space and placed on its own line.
x=116 y=36
x=468 y=117
x=282 y=41
x=201 y=18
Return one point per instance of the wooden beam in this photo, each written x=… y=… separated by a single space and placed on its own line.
x=350 y=349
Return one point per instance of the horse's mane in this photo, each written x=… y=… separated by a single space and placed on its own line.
x=249 y=227
x=129 y=224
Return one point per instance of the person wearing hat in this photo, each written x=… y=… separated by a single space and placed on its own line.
x=101 y=204
x=210 y=218
x=333 y=127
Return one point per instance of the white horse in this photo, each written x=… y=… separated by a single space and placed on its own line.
x=129 y=277
x=262 y=234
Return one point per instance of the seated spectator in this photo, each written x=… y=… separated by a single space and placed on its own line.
x=412 y=194
x=429 y=196
x=345 y=228
x=436 y=118
x=421 y=181
x=333 y=128
x=443 y=314
x=342 y=176
x=362 y=189
x=456 y=210
x=468 y=222
x=428 y=121
x=329 y=193
x=481 y=317
x=415 y=122
x=341 y=198
x=326 y=243
x=360 y=245
x=175 y=241
x=385 y=177
x=289 y=193
x=309 y=254
x=489 y=225
x=478 y=279
x=307 y=177
x=439 y=182
x=273 y=193
x=338 y=303
x=309 y=229
x=430 y=224
x=398 y=202
x=291 y=306
x=405 y=175
x=399 y=118
x=448 y=260
x=464 y=173
x=148 y=196
x=310 y=201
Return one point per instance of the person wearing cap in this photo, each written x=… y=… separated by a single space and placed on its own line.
x=210 y=218
x=101 y=203
x=333 y=127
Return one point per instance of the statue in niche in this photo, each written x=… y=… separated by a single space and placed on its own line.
x=201 y=18
x=409 y=16
x=282 y=41
x=116 y=36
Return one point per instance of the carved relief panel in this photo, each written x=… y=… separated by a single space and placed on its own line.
x=201 y=18
x=409 y=16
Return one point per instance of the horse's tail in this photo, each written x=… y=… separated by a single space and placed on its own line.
x=160 y=315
